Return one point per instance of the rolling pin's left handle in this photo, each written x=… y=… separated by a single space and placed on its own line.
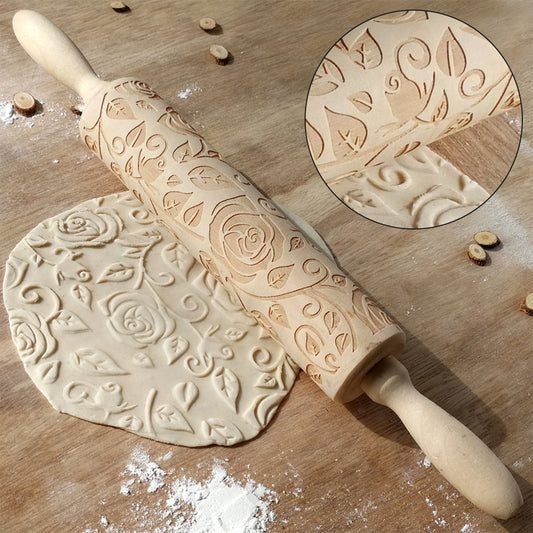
x=460 y=456
x=52 y=49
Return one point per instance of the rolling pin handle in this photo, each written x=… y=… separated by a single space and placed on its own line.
x=460 y=456
x=52 y=49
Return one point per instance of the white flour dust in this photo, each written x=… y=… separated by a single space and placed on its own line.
x=7 y=113
x=185 y=93
x=219 y=504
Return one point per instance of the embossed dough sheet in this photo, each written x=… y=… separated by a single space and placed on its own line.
x=401 y=81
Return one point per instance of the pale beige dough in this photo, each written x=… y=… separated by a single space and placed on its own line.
x=118 y=324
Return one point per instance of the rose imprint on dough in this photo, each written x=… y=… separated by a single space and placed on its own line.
x=118 y=324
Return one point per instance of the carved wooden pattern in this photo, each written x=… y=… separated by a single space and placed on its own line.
x=118 y=324
x=418 y=190
x=399 y=82
x=292 y=289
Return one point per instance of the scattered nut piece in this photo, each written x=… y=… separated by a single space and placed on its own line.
x=487 y=239
x=477 y=254
x=119 y=7
x=527 y=304
x=207 y=23
x=220 y=54
x=25 y=104
x=77 y=109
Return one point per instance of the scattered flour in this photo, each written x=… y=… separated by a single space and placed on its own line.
x=220 y=504
x=185 y=93
x=7 y=113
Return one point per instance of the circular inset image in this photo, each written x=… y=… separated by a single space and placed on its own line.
x=413 y=119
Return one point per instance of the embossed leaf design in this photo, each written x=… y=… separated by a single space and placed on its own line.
x=285 y=374
x=69 y=321
x=208 y=178
x=36 y=241
x=278 y=276
x=348 y=134
x=266 y=381
x=221 y=431
x=265 y=407
x=119 y=108
x=36 y=259
x=174 y=347
x=362 y=100
x=96 y=361
x=315 y=140
x=277 y=314
x=174 y=201
x=327 y=78
x=331 y=321
x=177 y=256
x=234 y=334
x=130 y=422
x=48 y=372
x=136 y=136
x=312 y=347
x=295 y=243
x=342 y=341
x=450 y=56
x=168 y=417
x=82 y=294
x=365 y=51
x=142 y=360
x=193 y=215
x=186 y=394
x=116 y=272
x=183 y=153
x=15 y=272
x=227 y=385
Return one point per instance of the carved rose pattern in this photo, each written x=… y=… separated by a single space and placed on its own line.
x=429 y=77
x=240 y=237
x=145 y=339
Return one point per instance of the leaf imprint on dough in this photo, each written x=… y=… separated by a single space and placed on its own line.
x=174 y=347
x=142 y=360
x=365 y=52
x=186 y=394
x=277 y=314
x=82 y=294
x=227 y=385
x=278 y=276
x=116 y=272
x=96 y=362
x=221 y=431
x=119 y=108
x=234 y=334
x=69 y=321
x=450 y=56
x=266 y=381
x=168 y=417
x=48 y=372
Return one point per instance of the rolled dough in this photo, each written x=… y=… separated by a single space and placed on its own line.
x=116 y=323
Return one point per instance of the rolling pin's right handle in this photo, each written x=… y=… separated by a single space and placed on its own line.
x=461 y=457
x=52 y=49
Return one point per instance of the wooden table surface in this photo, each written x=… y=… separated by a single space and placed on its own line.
x=334 y=467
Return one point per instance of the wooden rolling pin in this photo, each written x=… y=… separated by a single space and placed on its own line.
x=333 y=331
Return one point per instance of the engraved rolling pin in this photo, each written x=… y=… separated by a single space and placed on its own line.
x=333 y=331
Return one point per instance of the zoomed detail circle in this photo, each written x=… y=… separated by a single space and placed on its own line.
x=413 y=119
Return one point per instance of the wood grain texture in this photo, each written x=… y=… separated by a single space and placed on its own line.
x=469 y=346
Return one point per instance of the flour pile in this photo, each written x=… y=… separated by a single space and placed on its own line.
x=220 y=504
